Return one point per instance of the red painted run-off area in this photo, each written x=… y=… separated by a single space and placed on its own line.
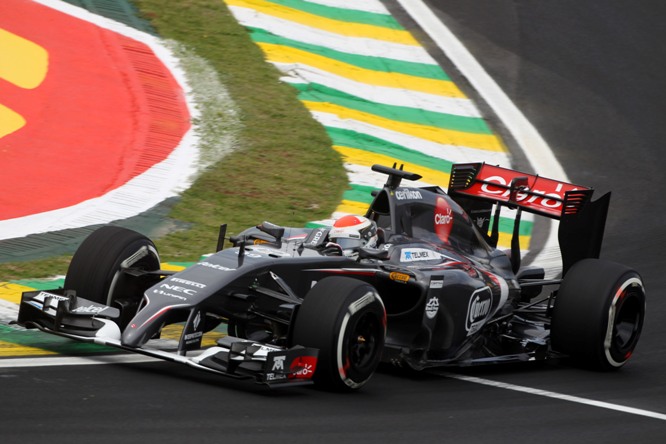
x=106 y=111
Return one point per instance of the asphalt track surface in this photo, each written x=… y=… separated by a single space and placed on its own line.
x=589 y=75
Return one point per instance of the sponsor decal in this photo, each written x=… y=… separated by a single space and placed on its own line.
x=399 y=277
x=367 y=299
x=419 y=254
x=186 y=282
x=437 y=283
x=42 y=295
x=443 y=219
x=171 y=295
x=432 y=307
x=216 y=266
x=303 y=367
x=317 y=237
x=478 y=310
x=275 y=376
x=407 y=194
x=545 y=195
x=90 y=309
x=259 y=251
x=195 y=335
x=179 y=289
x=480 y=221
x=197 y=320
x=278 y=364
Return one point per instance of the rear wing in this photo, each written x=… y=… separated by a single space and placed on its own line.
x=478 y=186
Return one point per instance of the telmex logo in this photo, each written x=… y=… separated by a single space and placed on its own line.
x=24 y=64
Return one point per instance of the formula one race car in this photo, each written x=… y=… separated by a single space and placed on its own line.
x=417 y=282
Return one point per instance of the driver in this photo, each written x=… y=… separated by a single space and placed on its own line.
x=353 y=232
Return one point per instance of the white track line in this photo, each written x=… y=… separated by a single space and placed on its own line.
x=52 y=361
x=555 y=395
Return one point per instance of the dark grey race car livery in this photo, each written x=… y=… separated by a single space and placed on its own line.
x=435 y=292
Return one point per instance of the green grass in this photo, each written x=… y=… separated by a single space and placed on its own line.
x=282 y=169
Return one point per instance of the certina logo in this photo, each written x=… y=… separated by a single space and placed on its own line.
x=186 y=282
x=432 y=307
x=408 y=194
x=479 y=308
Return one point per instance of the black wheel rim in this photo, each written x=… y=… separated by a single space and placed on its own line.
x=626 y=325
x=363 y=343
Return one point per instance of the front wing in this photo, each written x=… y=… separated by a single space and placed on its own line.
x=69 y=316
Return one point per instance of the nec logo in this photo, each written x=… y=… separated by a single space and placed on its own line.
x=23 y=64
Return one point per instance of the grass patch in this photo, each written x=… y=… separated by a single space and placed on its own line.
x=282 y=169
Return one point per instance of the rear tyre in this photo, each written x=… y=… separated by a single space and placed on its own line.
x=346 y=320
x=95 y=272
x=598 y=314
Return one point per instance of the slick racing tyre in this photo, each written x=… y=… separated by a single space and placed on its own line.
x=346 y=320
x=95 y=272
x=598 y=314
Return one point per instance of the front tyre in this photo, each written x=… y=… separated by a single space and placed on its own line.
x=96 y=271
x=346 y=320
x=598 y=314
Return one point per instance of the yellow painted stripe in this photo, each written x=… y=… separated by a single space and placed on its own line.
x=504 y=241
x=366 y=158
x=12 y=292
x=287 y=54
x=487 y=142
x=9 y=349
x=352 y=207
x=170 y=267
x=22 y=62
x=326 y=24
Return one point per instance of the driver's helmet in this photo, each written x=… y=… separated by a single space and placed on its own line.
x=352 y=232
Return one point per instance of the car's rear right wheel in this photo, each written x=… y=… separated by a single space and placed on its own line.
x=346 y=320
x=598 y=313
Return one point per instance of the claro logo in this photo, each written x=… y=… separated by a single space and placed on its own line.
x=23 y=64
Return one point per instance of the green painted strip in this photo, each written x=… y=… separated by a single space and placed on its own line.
x=42 y=284
x=506 y=226
x=352 y=139
x=383 y=64
x=359 y=193
x=346 y=15
x=324 y=94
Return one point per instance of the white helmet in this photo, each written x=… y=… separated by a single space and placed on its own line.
x=352 y=232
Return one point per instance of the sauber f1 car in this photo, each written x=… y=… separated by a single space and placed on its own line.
x=432 y=291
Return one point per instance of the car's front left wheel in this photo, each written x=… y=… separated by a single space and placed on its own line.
x=346 y=320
